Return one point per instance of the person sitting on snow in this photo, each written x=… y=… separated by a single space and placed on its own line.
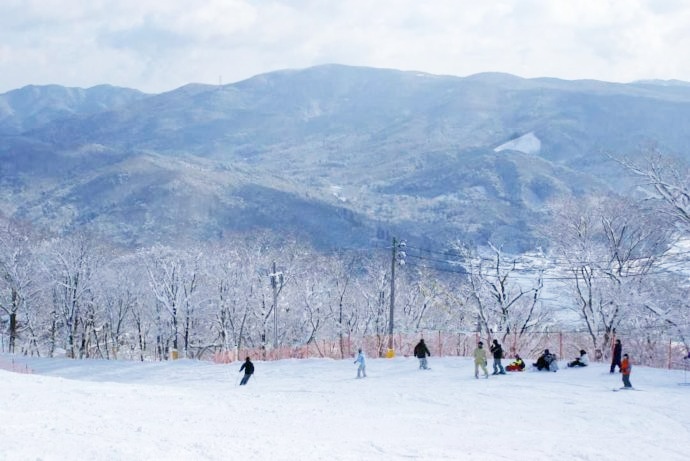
x=581 y=361
x=517 y=365
x=547 y=361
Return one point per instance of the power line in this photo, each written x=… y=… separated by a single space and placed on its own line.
x=553 y=259
x=519 y=273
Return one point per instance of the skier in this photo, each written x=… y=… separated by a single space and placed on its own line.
x=421 y=352
x=626 y=367
x=497 y=352
x=248 y=368
x=362 y=369
x=616 y=359
x=480 y=360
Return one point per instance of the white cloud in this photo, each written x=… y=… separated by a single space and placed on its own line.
x=160 y=45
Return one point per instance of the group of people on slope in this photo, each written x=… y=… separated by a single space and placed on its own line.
x=546 y=361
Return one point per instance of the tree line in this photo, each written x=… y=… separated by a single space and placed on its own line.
x=608 y=264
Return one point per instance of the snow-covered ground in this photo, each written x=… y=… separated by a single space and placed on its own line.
x=528 y=143
x=315 y=410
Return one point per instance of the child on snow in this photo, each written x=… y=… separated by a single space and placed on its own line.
x=362 y=369
x=517 y=365
x=626 y=367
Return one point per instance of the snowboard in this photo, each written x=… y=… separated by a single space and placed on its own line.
x=625 y=389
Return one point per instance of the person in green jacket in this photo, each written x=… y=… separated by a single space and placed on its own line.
x=480 y=360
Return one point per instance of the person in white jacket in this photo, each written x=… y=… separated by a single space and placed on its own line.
x=581 y=361
x=362 y=369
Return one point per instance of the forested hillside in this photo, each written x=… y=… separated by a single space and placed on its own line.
x=135 y=224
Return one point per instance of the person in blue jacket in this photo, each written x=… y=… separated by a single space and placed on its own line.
x=362 y=368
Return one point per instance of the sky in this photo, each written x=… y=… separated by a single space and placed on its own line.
x=315 y=409
x=160 y=45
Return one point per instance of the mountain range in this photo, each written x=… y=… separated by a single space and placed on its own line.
x=340 y=156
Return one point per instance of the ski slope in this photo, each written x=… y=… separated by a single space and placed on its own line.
x=315 y=409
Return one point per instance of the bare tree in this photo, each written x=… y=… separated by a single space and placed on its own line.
x=608 y=246
x=506 y=291
x=234 y=293
x=173 y=279
x=121 y=295
x=18 y=274
x=373 y=286
x=76 y=259
x=665 y=179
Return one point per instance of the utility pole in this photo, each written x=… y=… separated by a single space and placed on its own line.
x=397 y=257
x=391 y=352
x=276 y=279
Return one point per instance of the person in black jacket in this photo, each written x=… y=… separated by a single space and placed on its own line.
x=421 y=352
x=617 y=354
x=547 y=361
x=497 y=352
x=248 y=368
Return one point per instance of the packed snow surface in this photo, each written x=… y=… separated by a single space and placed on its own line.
x=528 y=144
x=315 y=409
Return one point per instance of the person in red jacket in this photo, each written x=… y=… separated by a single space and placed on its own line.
x=625 y=370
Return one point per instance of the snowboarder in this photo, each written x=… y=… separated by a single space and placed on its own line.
x=362 y=368
x=248 y=368
x=616 y=359
x=581 y=361
x=626 y=367
x=497 y=352
x=421 y=352
x=480 y=360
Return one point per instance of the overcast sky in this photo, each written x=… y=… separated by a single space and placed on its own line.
x=159 y=45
